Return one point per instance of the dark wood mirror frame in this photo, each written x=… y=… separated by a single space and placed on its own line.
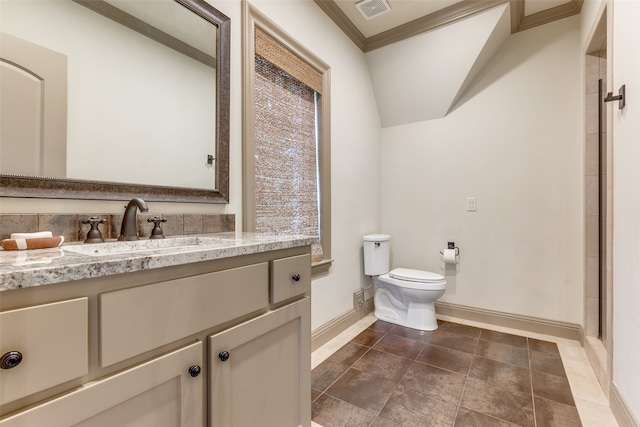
x=61 y=188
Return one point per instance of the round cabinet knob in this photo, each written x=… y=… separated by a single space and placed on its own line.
x=10 y=360
x=295 y=277
x=223 y=356
x=194 y=370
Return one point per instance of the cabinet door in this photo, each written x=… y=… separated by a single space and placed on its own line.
x=158 y=393
x=260 y=370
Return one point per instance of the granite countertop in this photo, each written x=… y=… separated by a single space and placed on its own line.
x=75 y=261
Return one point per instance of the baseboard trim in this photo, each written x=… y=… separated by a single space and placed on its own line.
x=525 y=323
x=335 y=327
x=620 y=409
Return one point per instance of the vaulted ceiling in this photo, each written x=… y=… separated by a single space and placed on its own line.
x=407 y=18
x=419 y=63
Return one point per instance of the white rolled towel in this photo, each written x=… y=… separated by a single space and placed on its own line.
x=36 y=235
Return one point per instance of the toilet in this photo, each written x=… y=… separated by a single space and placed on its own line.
x=402 y=296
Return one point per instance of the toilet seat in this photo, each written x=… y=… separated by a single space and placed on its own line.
x=412 y=275
x=415 y=279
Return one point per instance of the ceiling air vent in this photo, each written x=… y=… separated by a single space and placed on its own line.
x=372 y=8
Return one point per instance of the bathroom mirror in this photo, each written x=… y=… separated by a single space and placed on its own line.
x=144 y=105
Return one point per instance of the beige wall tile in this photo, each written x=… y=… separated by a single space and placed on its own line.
x=60 y=225
x=17 y=224
x=592 y=279
x=592 y=194
x=591 y=236
x=591 y=153
x=193 y=224
x=591 y=114
x=173 y=227
x=592 y=74
x=591 y=328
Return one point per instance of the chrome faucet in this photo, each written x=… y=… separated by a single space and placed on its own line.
x=129 y=229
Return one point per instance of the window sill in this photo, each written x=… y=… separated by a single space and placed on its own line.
x=320 y=268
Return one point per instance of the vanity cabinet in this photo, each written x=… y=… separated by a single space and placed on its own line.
x=217 y=343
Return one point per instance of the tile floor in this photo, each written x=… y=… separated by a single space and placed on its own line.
x=464 y=374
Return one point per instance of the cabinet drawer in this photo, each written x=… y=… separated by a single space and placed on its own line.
x=53 y=340
x=140 y=319
x=290 y=277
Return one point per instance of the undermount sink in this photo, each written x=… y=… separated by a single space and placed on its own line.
x=119 y=247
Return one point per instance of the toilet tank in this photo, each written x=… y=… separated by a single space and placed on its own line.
x=376 y=254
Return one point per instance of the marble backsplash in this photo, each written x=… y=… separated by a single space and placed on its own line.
x=71 y=227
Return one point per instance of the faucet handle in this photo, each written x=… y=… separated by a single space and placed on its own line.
x=157 y=232
x=94 y=235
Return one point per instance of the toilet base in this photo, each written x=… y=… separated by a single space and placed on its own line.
x=418 y=316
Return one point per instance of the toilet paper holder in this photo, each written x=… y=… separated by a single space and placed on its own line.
x=452 y=245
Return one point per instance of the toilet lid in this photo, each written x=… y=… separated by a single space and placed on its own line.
x=415 y=275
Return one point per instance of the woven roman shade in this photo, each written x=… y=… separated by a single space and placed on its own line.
x=280 y=56
x=286 y=151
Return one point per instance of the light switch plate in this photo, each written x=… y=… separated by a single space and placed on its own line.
x=471 y=204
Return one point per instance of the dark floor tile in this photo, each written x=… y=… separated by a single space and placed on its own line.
x=446 y=358
x=388 y=365
x=381 y=422
x=380 y=325
x=402 y=346
x=416 y=334
x=503 y=338
x=546 y=362
x=445 y=385
x=554 y=414
x=366 y=390
x=512 y=406
x=368 y=337
x=460 y=375
x=325 y=374
x=503 y=353
x=349 y=353
x=454 y=341
x=458 y=328
x=509 y=377
x=331 y=412
x=544 y=346
x=469 y=418
x=552 y=387
x=408 y=407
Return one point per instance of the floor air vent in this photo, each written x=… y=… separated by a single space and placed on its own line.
x=372 y=8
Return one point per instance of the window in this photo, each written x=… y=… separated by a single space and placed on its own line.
x=286 y=157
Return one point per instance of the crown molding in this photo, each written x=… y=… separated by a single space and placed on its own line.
x=344 y=23
x=549 y=15
x=446 y=16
